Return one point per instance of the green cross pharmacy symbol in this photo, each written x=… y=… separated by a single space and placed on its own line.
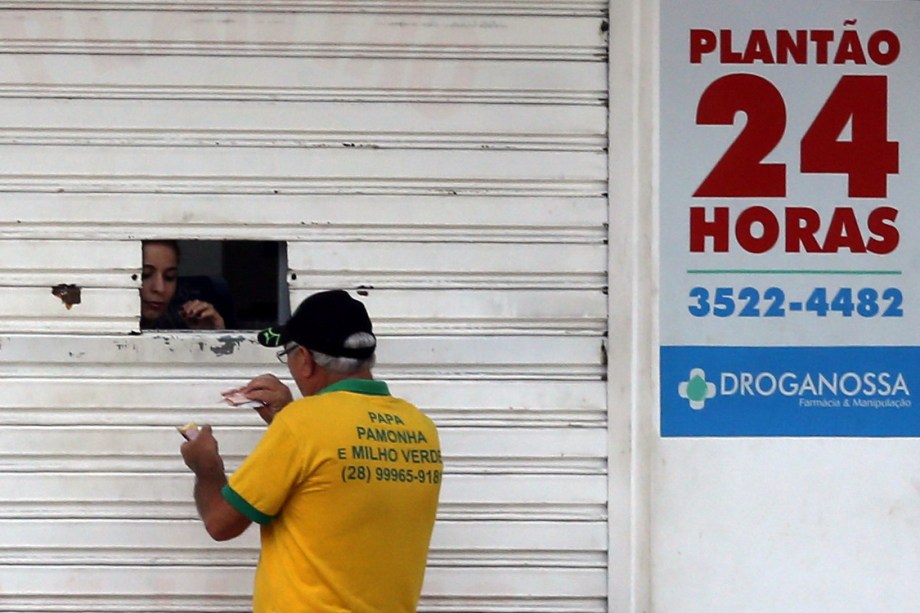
x=696 y=389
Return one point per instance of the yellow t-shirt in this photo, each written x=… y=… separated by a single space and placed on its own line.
x=345 y=485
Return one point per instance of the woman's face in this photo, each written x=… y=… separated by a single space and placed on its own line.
x=161 y=268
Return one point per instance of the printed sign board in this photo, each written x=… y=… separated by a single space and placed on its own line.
x=789 y=207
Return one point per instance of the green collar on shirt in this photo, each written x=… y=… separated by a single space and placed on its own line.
x=369 y=387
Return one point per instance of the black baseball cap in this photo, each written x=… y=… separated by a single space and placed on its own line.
x=323 y=322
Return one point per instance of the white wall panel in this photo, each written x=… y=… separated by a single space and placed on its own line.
x=144 y=495
x=182 y=542
x=168 y=588
x=39 y=310
x=304 y=78
x=152 y=448
x=36 y=255
x=444 y=161
x=287 y=169
x=315 y=218
x=149 y=400
x=169 y=493
x=331 y=34
x=449 y=265
x=106 y=276
x=222 y=352
x=476 y=311
x=298 y=124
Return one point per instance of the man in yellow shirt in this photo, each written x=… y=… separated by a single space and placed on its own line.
x=345 y=481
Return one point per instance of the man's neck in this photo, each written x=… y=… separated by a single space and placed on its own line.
x=326 y=378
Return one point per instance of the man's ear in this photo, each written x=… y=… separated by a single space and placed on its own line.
x=307 y=365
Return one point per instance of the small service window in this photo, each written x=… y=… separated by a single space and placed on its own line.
x=213 y=285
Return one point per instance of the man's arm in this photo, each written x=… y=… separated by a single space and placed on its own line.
x=221 y=520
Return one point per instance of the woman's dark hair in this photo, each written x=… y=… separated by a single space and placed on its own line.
x=171 y=243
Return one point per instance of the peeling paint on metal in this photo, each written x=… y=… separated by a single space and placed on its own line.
x=228 y=345
x=69 y=294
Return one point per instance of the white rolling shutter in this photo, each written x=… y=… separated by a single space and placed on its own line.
x=444 y=161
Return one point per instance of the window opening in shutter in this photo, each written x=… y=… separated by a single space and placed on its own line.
x=244 y=281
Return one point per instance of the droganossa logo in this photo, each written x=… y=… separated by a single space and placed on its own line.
x=859 y=389
x=696 y=389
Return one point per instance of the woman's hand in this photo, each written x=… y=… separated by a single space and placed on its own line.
x=201 y=315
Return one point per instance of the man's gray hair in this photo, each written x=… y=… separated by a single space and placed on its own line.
x=347 y=366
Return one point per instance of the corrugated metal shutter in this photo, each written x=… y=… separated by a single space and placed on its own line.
x=445 y=160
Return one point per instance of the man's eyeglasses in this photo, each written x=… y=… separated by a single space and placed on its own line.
x=283 y=354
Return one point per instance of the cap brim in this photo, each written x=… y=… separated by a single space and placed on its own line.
x=276 y=336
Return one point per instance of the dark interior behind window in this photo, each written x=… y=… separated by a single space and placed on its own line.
x=245 y=280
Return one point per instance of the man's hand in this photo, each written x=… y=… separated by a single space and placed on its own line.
x=201 y=453
x=270 y=391
x=221 y=520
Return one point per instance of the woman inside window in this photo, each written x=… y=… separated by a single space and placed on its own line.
x=158 y=289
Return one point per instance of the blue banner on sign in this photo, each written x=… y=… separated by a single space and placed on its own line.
x=789 y=391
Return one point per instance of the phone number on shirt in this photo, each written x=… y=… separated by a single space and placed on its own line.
x=398 y=475
x=749 y=302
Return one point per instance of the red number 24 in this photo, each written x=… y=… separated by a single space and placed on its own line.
x=860 y=101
